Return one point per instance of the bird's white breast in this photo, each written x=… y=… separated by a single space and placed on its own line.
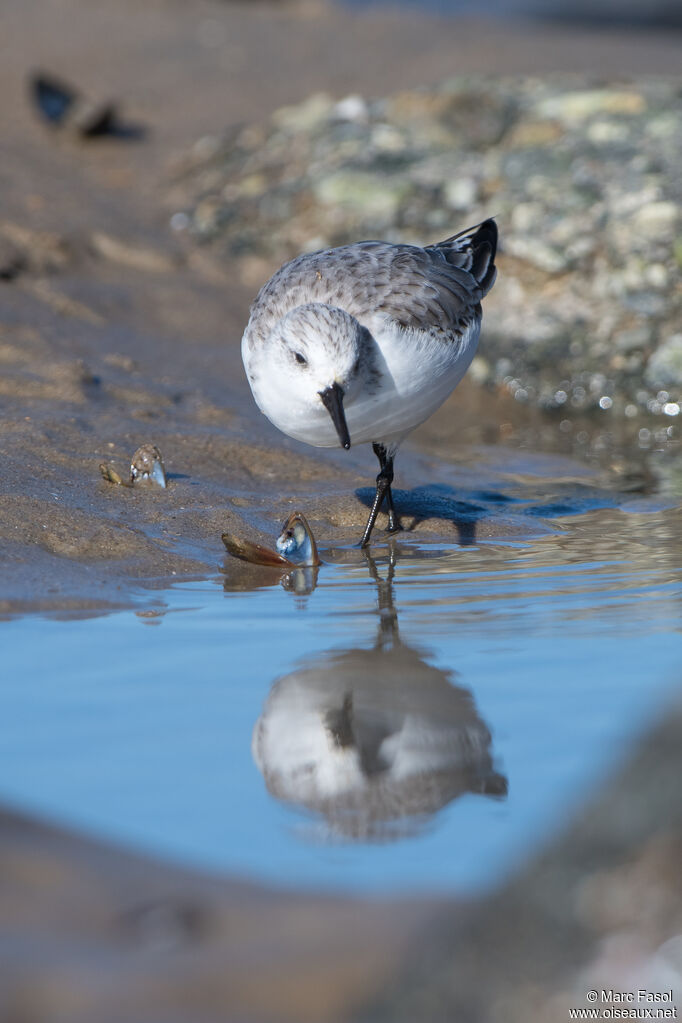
x=417 y=370
x=422 y=369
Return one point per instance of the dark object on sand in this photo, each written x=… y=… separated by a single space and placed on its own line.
x=62 y=106
x=12 y=260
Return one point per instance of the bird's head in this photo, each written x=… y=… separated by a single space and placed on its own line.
x=316 y=351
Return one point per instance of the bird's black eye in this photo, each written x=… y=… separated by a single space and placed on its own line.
x=301 y=359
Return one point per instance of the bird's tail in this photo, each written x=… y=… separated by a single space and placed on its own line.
x=474 y=250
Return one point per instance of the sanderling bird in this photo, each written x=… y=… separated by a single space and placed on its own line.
x=362 y=343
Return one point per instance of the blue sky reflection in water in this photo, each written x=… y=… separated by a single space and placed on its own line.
x=550 y=656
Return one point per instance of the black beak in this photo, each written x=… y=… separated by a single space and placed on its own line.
x=332 y=399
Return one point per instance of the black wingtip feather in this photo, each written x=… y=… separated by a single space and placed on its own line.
x=480 y=243
x=483 y=249
x=487 y=233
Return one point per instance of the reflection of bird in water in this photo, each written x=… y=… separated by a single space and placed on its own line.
x=375 y=739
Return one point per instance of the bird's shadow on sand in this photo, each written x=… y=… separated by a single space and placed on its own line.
x=440 y=501
x=464 y=509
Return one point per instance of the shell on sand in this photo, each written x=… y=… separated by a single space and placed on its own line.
x=147 y=466
x=297 y=529
x=254 y=552
x=259 y=555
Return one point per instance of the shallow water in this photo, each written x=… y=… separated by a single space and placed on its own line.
x=422 y=719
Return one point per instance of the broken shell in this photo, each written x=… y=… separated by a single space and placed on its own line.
x=296 y=546
x=111 y=476
x=147 y=464
x=254 y=552
x=297 y=542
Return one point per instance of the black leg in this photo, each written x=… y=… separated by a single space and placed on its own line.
x=383 y=484
x=386 y=463
x=384 y=480
x=393 y=520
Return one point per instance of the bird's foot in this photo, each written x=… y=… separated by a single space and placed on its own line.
x=394 y=525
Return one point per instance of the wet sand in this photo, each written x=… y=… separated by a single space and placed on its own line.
x=114 y=333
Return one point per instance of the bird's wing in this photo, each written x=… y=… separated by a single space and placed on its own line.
x=473 y=250
x=438 y=286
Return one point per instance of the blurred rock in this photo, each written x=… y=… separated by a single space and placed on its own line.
x=665 y=365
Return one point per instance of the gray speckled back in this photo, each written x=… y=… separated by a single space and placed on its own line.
x=438 y=286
